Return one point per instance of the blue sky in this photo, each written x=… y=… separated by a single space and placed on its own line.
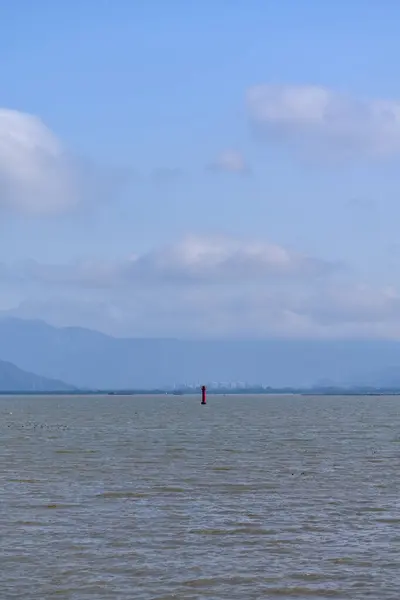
x=137 y=138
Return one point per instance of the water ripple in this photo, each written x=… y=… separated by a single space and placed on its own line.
x=155 y=499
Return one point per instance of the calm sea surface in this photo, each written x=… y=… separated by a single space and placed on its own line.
x=160 y=498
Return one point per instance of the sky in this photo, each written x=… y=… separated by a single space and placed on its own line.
x=213 y=169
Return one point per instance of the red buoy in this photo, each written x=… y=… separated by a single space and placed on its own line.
x=203 y=394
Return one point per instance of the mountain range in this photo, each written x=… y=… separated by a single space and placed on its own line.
x=85 y=358
x=13 y=379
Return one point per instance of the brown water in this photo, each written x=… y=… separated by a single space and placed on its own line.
x=161 y=498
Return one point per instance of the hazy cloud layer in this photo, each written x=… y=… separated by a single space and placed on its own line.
x=317 y=115
x=205 y=287
x=197 y=311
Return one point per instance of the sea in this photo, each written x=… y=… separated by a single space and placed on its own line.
x=160 y=498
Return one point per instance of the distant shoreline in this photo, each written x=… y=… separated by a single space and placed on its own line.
x=211 y=392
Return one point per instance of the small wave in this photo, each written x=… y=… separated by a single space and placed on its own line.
x=169 y=490
x=122 y=494
x=222 y=468
x=25 y=481
x=237 y=531
x=74 y=451
x=302 y=592
x=212 y=581
x=389 y=520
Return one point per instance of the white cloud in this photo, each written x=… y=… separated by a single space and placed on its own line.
x=315 y=114
x=36 y=174
x=193 y=260
x=222 y=259
x=230 y=161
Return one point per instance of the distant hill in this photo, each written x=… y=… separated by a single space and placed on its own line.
x=13 y=379
x=91 y=359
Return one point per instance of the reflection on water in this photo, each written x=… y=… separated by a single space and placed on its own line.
x=161 y=498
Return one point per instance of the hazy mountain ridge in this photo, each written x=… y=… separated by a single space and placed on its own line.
x=87 y=358
x=14 y=379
